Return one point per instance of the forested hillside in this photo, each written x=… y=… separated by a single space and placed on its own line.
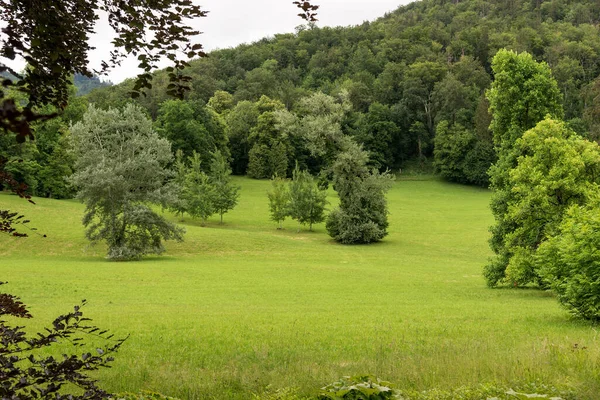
x=85 y=85
x=409 y=86
x=408 y=72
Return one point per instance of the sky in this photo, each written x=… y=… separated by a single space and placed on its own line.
x=233 y=22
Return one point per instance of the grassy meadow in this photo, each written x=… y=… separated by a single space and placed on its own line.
x=240 y=306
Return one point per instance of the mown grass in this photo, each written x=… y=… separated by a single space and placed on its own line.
x=240 y=306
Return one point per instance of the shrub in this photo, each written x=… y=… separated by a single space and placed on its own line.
x=571 y=262
x=359 y=387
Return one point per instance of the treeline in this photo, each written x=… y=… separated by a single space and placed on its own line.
x=414 y=79
x=408 y=87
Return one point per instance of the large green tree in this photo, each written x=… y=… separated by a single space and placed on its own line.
x=556 y=169
x=569 y=261
x=522 y=94
x=191 y=126
x=120 y=170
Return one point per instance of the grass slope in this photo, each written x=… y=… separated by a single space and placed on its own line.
x=240 y=306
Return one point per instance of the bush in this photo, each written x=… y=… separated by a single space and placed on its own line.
x=359 y=387
x=367 y=387
x=571 y=262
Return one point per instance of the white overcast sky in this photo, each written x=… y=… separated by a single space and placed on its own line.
x=232 y=22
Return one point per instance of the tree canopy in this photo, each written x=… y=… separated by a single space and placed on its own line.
x=120 y=170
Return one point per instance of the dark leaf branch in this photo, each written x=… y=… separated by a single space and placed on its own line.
x=308 y=10
x=26 y=375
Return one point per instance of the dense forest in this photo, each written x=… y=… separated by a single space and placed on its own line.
x=410 y=87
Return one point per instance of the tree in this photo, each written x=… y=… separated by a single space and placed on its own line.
x=569 y=261
x=269 y=154
x=198 y=192
x=377 y=131
x=177 y=203
x=556 y=169
x=362 y=214
x=240 y=121
x=221 y=102
x=191 y=126
x=279 y=199
x=226 y=195
x=460 y=155
x=306 y=200
x=121 y=169
x=54 y=41
x=315 y=130
x=522 y=94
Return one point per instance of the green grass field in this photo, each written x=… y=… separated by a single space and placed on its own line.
x=240 y=306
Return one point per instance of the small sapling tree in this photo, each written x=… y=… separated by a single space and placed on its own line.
x=121 y=170
x=226 y=194
x=307 y=201
x=279 y=199
x=177 y=203
x=198 y=192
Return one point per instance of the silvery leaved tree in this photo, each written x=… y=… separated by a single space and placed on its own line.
x=121 y=170
x=362 y=214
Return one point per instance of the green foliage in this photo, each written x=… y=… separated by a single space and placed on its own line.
x=279 y=199
x=120 y=169
x=191 y=126
x=522 y=94
x=362 y=214
x=221 y=102
x=570 y=261
x=225 y=194
x=29 y=373
x=459 y=156
x=556 y=169
x=86 y=84
x=427 y=62
x=377 y=132
x=198 y=191
x=44 y=164
x=142 y=395
x=306 y=200
x=359 y=387
x=279 y=394
x=269 y=153
x=240 y=121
